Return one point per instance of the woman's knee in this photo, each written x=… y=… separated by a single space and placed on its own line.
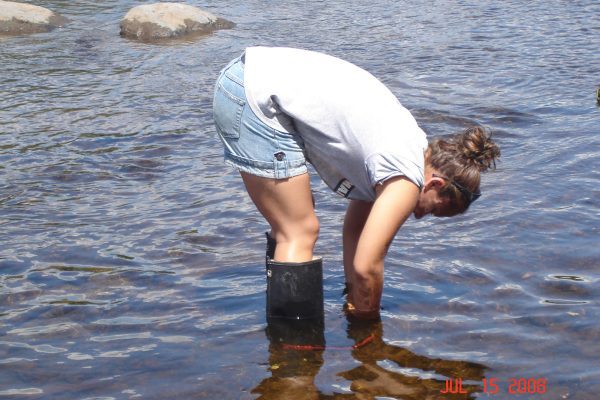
x=306 y=231
x=312 y=228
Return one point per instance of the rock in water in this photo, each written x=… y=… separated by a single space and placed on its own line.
x=169 y=20
x=20 y=18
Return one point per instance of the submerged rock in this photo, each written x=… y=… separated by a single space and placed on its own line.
x=169 y=20
x=20 y=18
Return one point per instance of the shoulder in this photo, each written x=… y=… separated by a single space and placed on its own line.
x=382 y=166
x=396 y=184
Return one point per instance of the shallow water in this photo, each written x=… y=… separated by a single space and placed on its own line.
x=131 y=259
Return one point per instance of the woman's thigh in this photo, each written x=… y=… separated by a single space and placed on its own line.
x=286 y=204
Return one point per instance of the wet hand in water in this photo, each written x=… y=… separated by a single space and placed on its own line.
x=351 y=311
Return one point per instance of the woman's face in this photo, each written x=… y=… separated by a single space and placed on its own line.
x=430 y=201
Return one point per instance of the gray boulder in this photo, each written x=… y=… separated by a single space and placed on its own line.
x=20 y=18
x=169 y=20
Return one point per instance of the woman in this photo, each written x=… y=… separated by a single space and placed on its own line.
x=277 y=108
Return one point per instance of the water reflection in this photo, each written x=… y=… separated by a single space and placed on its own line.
x=293 y=369
x=296 y=354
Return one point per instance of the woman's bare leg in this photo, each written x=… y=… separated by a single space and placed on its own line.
x=287 y=205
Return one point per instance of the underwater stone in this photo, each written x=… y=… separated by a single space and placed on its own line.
x=20 y=18
x=169 y=20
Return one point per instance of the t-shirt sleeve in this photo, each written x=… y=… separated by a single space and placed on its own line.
x=383 y=166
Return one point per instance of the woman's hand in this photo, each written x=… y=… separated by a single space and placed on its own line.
x=369 y=229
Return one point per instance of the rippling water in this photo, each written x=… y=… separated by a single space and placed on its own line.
x=130 y=256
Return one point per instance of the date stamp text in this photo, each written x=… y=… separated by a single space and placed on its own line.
x=491 y=386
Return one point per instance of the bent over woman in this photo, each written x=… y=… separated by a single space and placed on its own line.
x=275 y=109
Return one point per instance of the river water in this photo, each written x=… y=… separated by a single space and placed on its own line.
x=131 y=259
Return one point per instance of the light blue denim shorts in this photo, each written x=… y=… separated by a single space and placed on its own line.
x=249 y=144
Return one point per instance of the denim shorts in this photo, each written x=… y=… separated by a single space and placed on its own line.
x=249 y=144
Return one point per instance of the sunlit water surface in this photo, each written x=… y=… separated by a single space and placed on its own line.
x=131 y=258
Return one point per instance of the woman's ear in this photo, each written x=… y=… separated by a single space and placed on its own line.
x=433 y=182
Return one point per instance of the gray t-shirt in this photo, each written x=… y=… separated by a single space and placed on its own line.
x=355 y=131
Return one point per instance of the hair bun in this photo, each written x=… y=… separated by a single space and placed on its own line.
x=478 y=148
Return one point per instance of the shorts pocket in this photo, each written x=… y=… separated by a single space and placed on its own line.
x=227 y=110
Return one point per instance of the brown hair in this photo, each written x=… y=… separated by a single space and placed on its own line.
x=461 y=159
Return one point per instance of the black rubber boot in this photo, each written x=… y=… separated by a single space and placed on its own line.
x=297 y=334
x=271 y=244
x=295 y=290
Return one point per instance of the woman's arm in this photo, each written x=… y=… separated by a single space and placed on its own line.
x=368 y=232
